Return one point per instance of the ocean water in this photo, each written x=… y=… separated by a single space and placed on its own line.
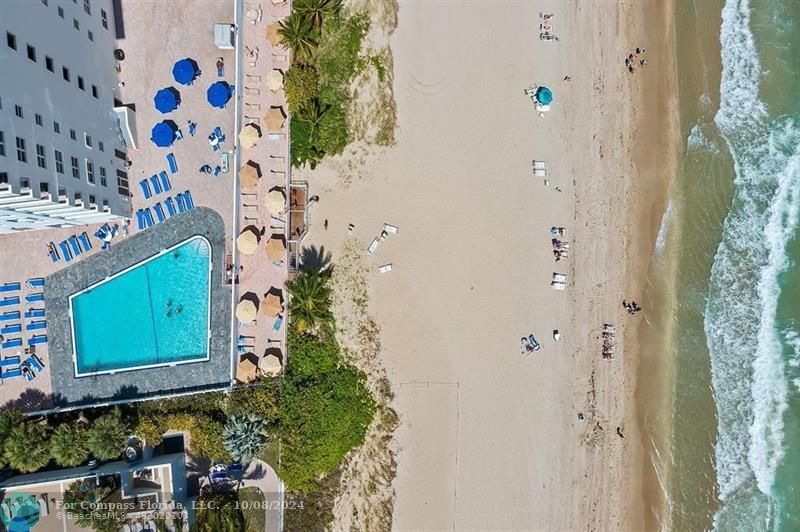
x=734 y=438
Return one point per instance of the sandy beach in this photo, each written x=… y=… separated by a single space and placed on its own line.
x=490 y=438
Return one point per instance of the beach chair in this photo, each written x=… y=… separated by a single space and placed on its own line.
x=34 y=313
x=73 y=242
x=170 y=207
x=12 y=373
x=9 y=361
x=35 y=362
x=540 y=165
x=165 y=184
x=558 y=285
x=65 y=250
x=32 y=298
x=140 y=219
x=10 y=287
x=224 y=162
x=9 y=300
x=37 y=282
x=10 y=315
x=559 y=277
x=173 y=165
x=37 y=339
x=391 y=229
x=86 y=244
x=13 y=342
x=145 y=189
x=277 y=325
x=159 y=212
x=179 y=201
x=53 y=252
x=36 y=325
x=13 y=328
x=372 y=247
x=539 y=172
x=385 y=268
x=187 y=198
x=156 y=184
x=148 y=217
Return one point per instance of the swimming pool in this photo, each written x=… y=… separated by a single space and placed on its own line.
x=155 y=313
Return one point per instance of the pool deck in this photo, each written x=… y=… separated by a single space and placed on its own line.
x=69 y=390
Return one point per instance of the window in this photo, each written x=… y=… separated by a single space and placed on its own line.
x=38 y=118
x=56 y=127
x=11 y=40
x=90 y=35
x=73 y=135
x=89 y=171
x=22 y=155
x=101 y=146
x=25 y=183
x=60 y=11
x=87 y=139
x=94 y=91
x=86 y=7
x=44 y=187
x=59 y=161
x=80 y=84
x=92 y=200
x=77 y=197
x=65 y=73
x=3 y=177
x=104 y=18
x=48 y=63
x=41 y=161
x=103 y=181
x=76 y=24
x=76 y=171
x=18 y=111
x=2 y=144
x=31 y=53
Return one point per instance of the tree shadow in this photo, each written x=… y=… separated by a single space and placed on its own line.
x=314 y=259
x=128 y=391
x=30 y=400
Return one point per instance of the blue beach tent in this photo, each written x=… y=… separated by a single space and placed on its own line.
x=544 y=95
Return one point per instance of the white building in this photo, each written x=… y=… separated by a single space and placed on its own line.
x=62 y=153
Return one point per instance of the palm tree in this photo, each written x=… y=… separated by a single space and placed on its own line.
x=106 y=437
x=310 y=304
x=297 y=31
x=26 y=447
x=68 y=445
x=245 y=435
x=317 y=10
x=8 y=420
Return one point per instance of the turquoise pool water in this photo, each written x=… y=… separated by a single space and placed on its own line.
x=155 y=313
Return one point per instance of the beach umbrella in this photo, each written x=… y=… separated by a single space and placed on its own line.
x=544 y=95
x=275 y=118
x=163 y=133
x=271 y=305
x=219 y=93
x=274 y=80
x=276 y=248
x=246 y=311
x=185 y=71
x=270 y=364
x=246 y=369
x=249 y=175
x=273 y=34
x=249 y=135
x=276 y=200
x=247 y=242
x=167 y=100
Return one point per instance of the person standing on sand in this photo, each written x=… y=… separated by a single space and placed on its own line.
x=325 y=224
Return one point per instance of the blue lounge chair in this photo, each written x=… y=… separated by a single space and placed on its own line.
x=140 y=219
x=65 y=250
x=31 y=298
x=8 y=301
x=10 y=287
x=13 y=342
x=156 y=184
x=76 y=248
x=145 y=189
x=35 y=363
x=34 y=313
x=173 y=166
x=159 y=212
x=170 y=206
x=38 y=339
x=13 y=328
x=181 y=204
x=148 y=217
x=86 y=244
x=278 y=322
x=9 y=316
x=10 y=374
x=187 y=197
x=9 y=361
x=37 y=282
x=165 y=184
x=36 y=325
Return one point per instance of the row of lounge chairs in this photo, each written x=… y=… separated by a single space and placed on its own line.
x=160 y=183
x=37 y=282
x=29 y=367
x=70 y=248
x=11 y=315
x=36 y=339
x=9 y=301
x=608 y=341
x=181 y=202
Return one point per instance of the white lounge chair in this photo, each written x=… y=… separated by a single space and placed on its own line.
x=372 y=247
x=559 y=278
x=540 y=172
x=391 y=229
x=540 y=164
x=385 y=268
x=558 y=285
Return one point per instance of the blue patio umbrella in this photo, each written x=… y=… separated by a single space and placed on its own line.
x=219 y=93
x=167 y=100
x=185 y=71
x=544 y=95
x=163 y=134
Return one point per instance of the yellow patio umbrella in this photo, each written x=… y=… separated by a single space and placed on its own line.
x=246 y=311
x=247 y=242
x=274 y=80
x=273 y=35
x=249 y=174
x=276 y=248
x=246 y=370
x=249 y=135
x=270 y=365
x=271 y=305
x=274 y=118
x=276 y=200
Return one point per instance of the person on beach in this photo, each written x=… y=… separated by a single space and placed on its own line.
x=325 y=224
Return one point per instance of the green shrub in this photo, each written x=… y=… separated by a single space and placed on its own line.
x=260 y=399
x=244 y=436
x=218 y=511
x=151 y=429
x=333 y=134
x=337 y=57
x=205 y=435
x=301 y=84
x=26 y=447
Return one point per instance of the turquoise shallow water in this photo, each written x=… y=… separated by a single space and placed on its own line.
x=155 y=313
